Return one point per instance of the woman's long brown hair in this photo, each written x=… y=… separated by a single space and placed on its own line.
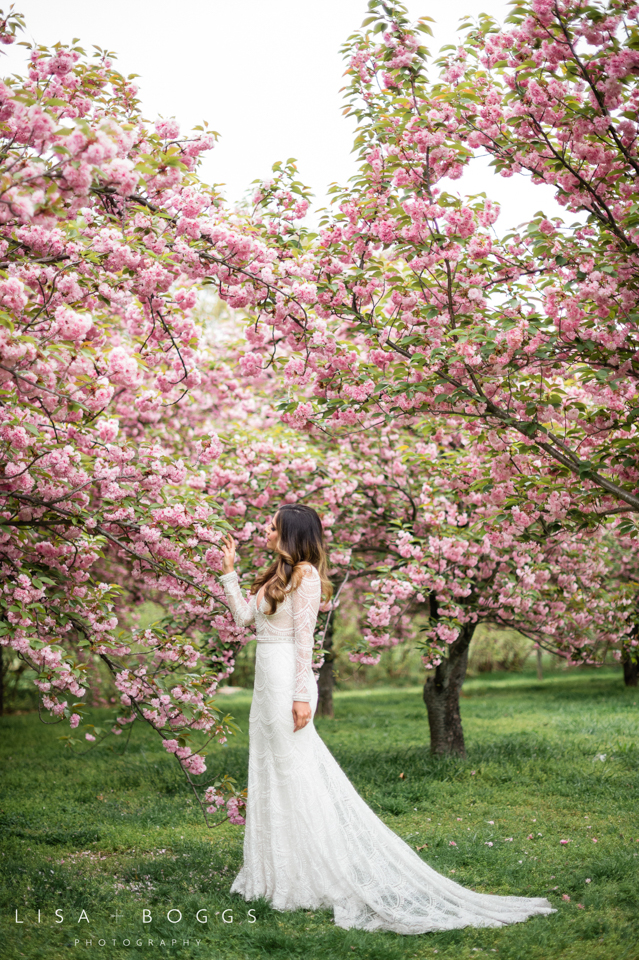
x=300 y=540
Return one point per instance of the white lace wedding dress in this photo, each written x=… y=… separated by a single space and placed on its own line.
x=310 y=840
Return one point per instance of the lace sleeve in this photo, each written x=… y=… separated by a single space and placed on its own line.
x=305 y=601
x=243 y=612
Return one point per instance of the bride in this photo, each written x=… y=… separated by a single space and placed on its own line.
x=311 y=841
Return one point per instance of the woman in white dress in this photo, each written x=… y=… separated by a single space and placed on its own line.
x=311 y=841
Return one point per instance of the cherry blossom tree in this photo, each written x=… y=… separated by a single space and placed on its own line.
x=412 y=302
x=409 y=302
x=429 y=559
x=103 y=229
x=454 y=561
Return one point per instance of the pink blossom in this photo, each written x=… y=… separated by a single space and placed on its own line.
x=167 y=129
x=250 y=364
x=72 y=325
x=12 y=294
x=122 y=173
x=123 y=368
x=195 y=764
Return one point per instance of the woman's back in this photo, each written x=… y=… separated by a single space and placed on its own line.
x=299 y=607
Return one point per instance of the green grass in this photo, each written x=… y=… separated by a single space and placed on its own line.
x=117 y=828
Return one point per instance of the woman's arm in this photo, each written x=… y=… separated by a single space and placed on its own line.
x=305 y=601
x=243 y=612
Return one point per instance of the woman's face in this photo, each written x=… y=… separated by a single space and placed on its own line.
x=272 y=536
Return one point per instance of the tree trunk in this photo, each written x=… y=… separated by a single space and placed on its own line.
x=540 y=672
x=326 y=678
x=630 y=671
x=441 y=696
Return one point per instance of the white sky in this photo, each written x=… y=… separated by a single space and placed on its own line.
x=266 y=74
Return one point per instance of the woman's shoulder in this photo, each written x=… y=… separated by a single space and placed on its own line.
x=305 y=577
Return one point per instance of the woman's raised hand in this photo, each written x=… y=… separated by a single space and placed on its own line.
x=227 y=545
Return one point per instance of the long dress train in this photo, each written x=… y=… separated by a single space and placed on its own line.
x=310 y=840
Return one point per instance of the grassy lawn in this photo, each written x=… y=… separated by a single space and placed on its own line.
x=116 y=830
